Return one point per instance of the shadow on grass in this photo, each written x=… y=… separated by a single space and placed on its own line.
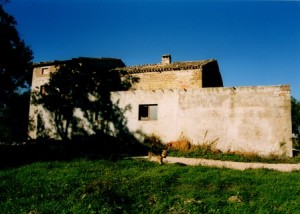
x=76 y=108
x=104 y=147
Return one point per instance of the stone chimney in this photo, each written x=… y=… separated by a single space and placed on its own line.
x=166 y=59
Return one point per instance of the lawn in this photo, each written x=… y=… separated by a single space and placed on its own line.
x=139 y=186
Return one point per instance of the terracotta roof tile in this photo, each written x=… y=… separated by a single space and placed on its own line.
x=165 y=67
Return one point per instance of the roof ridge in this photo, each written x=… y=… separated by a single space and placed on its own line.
x=174 y=66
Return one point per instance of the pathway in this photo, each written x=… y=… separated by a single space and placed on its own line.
x=231 y=164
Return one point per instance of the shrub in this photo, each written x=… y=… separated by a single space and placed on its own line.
x=153 y=143
x=182 y=145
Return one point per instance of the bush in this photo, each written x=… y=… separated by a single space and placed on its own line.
x=154 y=144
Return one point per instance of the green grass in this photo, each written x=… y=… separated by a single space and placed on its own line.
x=139 y=186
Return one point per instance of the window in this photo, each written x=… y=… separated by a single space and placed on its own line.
x=43 y=90
x=148 y=112
x=45 y=71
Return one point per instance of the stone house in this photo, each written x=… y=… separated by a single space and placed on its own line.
x=175 y=100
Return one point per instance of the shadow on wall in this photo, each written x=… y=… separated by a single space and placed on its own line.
x=77 y=104
x=211 y=76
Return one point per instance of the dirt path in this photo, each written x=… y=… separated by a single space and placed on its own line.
x=230 y=164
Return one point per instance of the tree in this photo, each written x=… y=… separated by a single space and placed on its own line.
x=15 y=77
x=295 y=116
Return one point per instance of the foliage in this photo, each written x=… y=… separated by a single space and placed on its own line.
x=14 y=120
x=295 y=106
x=136 y=186
x=15 y=59
x=15 y=77
x=153 y=144
x=295 y=116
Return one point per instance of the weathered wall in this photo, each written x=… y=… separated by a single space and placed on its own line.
x=39 y=79
x=177 y=75
x=243 y=119
x=38 y=116
x=182 y=79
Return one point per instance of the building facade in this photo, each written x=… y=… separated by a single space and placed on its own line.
x=175 y=100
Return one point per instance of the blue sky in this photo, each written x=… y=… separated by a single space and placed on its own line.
x=255 y=42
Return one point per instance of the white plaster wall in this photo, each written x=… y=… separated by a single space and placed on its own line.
x=245 y=119
x=166 y=115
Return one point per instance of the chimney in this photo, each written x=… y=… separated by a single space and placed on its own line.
x=166 y=59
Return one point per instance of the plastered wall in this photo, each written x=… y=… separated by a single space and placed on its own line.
x=243 y=119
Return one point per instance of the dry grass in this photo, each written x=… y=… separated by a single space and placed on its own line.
x=183 y=148
x=182 y=145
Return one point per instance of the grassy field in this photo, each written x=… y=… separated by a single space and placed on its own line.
x=139 y=186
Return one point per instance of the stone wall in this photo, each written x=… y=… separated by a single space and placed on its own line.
x=182 y=79
x=243 y=119
x=41 y=75
x=177 y=75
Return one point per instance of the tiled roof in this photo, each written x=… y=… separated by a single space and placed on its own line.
x=175 y=66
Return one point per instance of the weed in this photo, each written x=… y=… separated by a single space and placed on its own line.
x=183 y=148
x=182 y=144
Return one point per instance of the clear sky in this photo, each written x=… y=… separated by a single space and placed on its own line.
x=255 y=42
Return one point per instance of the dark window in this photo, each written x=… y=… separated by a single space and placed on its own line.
x=148 y=112
x=45 y=71
x=43 y=90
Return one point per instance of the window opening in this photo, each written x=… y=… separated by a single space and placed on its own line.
x=45 y=71
x=148 y=112
x=43 y=90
